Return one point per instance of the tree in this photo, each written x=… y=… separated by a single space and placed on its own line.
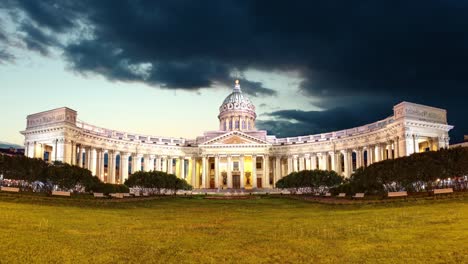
x=308 y=181
x=420 y=171
x=157 y=181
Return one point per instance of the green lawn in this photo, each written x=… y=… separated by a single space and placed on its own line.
x=268 y=230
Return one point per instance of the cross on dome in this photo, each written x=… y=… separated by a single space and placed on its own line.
x=237 y=87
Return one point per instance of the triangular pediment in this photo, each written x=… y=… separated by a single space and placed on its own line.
x=235 y=138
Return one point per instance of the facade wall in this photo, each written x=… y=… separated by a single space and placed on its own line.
x=229 y=159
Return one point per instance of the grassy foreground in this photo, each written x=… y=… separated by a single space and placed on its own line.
x=268 y=230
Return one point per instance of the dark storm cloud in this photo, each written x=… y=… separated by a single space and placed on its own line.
x=347 y=52
x=298 y=122
x=37 y=40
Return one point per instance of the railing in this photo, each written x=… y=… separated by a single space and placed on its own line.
x=335 y=135
x=120 y=135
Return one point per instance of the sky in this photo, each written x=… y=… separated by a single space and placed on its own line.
x=163 y=68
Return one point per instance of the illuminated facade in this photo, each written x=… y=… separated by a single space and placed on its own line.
x=237 y=155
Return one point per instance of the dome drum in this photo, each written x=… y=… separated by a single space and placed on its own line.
x=237 y=111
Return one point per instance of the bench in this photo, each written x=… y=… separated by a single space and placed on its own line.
x=137 y=194
x=341 y=195
x=99 y=195
x=328 y=194
x=145 y=194
x=397 y=194
x=127 y=195
x=61 y=193
x=442 y=191
x=10 y=189
x=358 y=195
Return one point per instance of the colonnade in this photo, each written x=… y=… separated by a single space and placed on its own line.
x=234 y=171
x=344 y=162
x=261 y=170
x=237 y=122
x=120 y=164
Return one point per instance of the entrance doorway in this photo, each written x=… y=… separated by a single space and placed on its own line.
x=259 y=183
x=236 y=181
x=212 y=183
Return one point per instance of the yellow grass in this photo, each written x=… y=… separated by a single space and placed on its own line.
x=268 y=230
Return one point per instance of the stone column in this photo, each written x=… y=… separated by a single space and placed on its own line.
x=254 y=172
x=301 y=163
x=93 y=162
x=80 y=157
x=390 y=150
x=204 y=164
x=241 y=168
x=194 y=173
x=278 y=173
x=397 y=147
x=146 y=162
x=307 y=162
x=86 y=158
x=170 y=167
x=338 y=165
x=321 y=161
x=384 y=151
x=98 y=163
x=132 y=169
x=358 y=158
x=152 y=166
x=266 y=172
x=101 y=164
x=295 y=167
x=158 y=163
x=290 y=165
x=313 y=162
x=182 y=167
x=378 y=153
x=415 y=144
x=216 y=174
x=370 y=155
x=347 y=165
x=111 y=167
x=138 y=163
x=163 y=164
x=124 y=166
x=333 y=161
x=72 y=154
x=229 y=171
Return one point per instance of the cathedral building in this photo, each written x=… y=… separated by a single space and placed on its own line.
x=237 y=155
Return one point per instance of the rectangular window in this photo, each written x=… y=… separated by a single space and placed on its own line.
x=235 y=165
x=259 y=165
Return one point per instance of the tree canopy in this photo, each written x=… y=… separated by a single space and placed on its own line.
x=308 y=181
x=418 y=172
x=157 y=181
